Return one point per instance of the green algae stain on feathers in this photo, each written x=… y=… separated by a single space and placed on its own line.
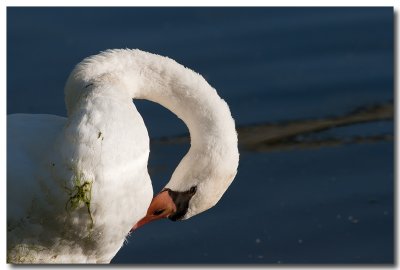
x=80 y=195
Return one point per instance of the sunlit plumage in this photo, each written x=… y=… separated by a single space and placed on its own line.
x=77 y=185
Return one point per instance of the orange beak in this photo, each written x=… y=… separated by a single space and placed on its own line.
x=162 y=206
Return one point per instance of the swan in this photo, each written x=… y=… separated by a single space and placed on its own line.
x=77 y=186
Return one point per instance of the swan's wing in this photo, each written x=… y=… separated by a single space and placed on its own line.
x=29 y=139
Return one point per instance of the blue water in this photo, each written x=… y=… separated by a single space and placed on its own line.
x=321 y=205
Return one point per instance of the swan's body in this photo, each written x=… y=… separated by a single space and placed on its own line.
x=77 y=185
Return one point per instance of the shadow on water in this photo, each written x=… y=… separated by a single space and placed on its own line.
x=301 y=133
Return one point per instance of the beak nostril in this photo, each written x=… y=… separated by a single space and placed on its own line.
x=162 y=206
x=158 y=212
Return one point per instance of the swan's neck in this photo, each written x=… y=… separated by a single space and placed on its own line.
x=213 y=153
x=205 y=114
x=212 y=159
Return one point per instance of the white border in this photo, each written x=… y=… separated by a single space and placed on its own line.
x=3 y=102
x=200 y=3
x=5 y=3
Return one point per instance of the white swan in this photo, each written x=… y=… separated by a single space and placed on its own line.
x=76 y=186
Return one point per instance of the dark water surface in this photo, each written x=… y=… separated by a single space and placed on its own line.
x=325 y=204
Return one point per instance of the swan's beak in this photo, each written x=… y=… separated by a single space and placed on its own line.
x=162 y=206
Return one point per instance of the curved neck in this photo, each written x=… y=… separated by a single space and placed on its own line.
x=159 y=79
x=195 y=102
x=142 y=75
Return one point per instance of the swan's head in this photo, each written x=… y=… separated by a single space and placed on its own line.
x=168 y=204
x=196 y=185
x=207 y=170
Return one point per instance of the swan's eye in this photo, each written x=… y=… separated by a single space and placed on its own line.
x=158 y=212
x=193 y=190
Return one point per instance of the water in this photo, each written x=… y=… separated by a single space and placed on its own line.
x=328 y=204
